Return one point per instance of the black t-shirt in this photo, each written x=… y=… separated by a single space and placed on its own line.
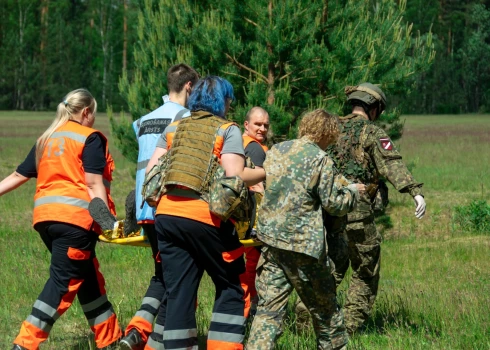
x=256 y=153
x=93 y=158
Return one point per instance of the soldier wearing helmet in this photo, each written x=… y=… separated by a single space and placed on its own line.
x=364 y=153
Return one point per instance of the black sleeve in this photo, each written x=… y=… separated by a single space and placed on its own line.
x=28 y=166
x=93 y=155
x=256 y=153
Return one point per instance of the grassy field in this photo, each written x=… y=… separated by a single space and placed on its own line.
x=435 y=279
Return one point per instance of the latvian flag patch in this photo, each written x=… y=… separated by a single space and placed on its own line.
x=386 y=143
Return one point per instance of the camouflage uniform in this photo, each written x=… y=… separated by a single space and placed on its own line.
x=363 y=154
x=301 y=181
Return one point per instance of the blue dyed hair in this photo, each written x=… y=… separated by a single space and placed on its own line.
x=210 y=94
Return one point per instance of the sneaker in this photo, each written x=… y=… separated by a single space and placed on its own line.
x=130 y=222
x=132 y=341
x=101 y=214
x=18 y=347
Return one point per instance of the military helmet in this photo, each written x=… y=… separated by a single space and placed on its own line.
x=367 y=93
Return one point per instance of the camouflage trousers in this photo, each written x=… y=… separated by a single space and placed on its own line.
x=278 y=272
x=359 y=247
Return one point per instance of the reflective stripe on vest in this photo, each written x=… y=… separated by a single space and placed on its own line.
x=142 y=165
x=69 y=134
x=61 y=191
x=77 y=202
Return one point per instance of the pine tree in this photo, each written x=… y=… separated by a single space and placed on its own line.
x=288 y=56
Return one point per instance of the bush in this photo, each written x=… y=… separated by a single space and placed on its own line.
x=473 y=217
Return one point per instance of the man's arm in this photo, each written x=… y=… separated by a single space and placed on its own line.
x=257 y=155
x=390 y=165
x=159 y=152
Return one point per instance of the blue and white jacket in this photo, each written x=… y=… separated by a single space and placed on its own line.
x=148 y=129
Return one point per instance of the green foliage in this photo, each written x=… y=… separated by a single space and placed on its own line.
x=459 y=82
x=48 y=48
x=123 y=126
x=273 y=56
x=384 y=222
x=474 y=217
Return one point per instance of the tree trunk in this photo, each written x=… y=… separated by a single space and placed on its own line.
x=271 y=66
x=125 y=36
x=105 y=27
x=44 y=29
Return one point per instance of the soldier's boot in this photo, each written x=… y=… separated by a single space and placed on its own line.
x=101 y=214
x=130 y=221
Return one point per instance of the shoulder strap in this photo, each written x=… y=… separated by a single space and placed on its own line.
x=180 y=114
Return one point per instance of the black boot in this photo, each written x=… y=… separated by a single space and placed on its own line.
x=130 y=222
x=18 y=347
x=132 y=341
x=101 y=214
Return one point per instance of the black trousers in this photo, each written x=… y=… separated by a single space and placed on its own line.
x=74 y=271
x=188 y=248
x=152 y=301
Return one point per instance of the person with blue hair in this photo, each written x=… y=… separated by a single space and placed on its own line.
x=213 y=94
x=191 y=239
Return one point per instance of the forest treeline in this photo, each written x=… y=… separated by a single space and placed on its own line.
x=49 y=47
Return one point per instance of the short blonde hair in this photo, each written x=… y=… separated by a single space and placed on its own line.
x=319 y=124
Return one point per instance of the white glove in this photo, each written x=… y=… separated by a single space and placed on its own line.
x=419 y=206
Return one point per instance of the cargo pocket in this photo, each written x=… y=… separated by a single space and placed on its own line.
x=78 y=254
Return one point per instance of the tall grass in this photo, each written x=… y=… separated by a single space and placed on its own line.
x=435 y=277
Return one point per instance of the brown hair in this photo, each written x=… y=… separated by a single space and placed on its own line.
x=179 y=75
x=319 y=124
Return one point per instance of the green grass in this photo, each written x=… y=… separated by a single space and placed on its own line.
x=435 y=279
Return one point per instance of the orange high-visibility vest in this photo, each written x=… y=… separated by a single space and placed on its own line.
x=247 y=139
x=61 y=191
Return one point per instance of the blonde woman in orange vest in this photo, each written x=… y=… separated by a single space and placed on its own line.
x=254 y=137
x=191 y=239
x=72 y=165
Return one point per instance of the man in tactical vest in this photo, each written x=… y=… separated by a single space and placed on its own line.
x=364 y=153
x=148 y=129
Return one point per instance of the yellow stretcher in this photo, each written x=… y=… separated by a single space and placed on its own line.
x=138 y=239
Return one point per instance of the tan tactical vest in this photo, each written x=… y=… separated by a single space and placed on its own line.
x=194 y=156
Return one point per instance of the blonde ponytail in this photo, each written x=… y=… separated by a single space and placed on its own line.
x=73 y=103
